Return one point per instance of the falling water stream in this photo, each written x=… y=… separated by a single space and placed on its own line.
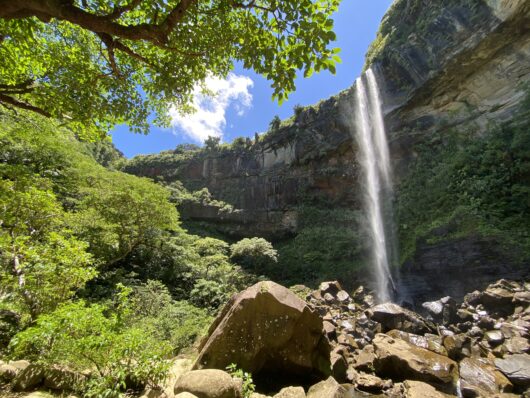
x=375 y=164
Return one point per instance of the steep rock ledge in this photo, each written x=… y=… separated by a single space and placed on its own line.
x=311 y=157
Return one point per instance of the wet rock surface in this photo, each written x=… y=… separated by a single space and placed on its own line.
x=399 y=360
x=478 y=377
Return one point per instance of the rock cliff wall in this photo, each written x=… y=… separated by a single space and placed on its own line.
x=445 y=66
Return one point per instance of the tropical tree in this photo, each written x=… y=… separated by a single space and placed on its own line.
x=118 y=212
x=212 y=143
x=41 y=263
x=95 y=63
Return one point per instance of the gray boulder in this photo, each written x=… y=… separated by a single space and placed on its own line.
x=327 y=389
x=441 y=311
x=392 y=316
x=516 y=368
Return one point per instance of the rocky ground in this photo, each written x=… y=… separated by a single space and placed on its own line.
x=337 y=345
x=477 y=348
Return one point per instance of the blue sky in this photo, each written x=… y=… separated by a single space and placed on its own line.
x=244 y=105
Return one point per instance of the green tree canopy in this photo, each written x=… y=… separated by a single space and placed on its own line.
x=256 y=252
x=95 y=63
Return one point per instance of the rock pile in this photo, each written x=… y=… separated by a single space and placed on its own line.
x=376 y=350
x=476 y=349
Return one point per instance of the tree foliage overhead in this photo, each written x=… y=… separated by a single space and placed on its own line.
x=95 y=63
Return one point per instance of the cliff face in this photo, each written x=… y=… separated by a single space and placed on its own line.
x=311 y=157
x=455 y=63
x=444 y=66
x=454 y=67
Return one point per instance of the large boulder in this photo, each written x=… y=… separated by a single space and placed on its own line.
x=399 y=360
x=208 y=383
x=267 y=328
x=516 y=368
x=478 y=377
x=392 y=316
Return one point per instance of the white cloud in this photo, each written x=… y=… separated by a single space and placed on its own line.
x=209 y=118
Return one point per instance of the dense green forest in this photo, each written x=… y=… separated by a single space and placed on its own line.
x=96 y=271
x=143 y=288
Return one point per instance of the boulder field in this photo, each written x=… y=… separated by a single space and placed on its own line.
x=476 y=348
x=333 y=344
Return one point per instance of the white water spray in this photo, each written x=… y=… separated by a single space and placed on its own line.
x=375 y=163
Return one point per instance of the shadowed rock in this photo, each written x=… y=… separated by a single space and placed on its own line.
x=392 y=316
x=267 y=329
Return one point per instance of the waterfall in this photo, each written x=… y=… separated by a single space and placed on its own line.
x=375 y=164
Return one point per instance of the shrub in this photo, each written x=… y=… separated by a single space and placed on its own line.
x=275 y=123
x=176 y=322
x=212 y=144
x=298 y=109
x=80 y=337
x=253 y=252
x=248 y=383
x=474 y=184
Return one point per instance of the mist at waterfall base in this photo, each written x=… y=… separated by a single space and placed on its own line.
x=374 y=159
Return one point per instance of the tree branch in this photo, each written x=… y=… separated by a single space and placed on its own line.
x=67 y=11
x=23 y=84
x=122 y=47
x=109 y=43
x=6 y=99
